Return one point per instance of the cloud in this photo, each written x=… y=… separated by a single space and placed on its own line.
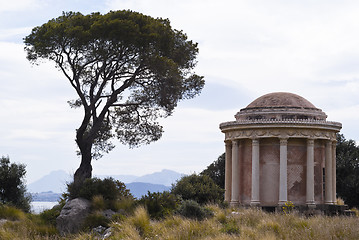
x=18 y=5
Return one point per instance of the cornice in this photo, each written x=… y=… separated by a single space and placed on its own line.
x=274 y=123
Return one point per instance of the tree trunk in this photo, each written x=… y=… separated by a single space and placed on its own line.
x=85 y=169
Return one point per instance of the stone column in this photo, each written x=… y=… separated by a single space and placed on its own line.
x=235 y=174
x=283 y=171
x=255 y=173
x=334 y=166
x=328 y=173
x=228 y=172
x=310 y=173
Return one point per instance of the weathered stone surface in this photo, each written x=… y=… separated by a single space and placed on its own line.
x=108 y=213
x=73 y=215
x=277 y=149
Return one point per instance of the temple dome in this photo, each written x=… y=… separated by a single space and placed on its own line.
x=281 y=99
x=281 y=106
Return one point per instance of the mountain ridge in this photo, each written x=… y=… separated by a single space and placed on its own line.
x=55 y=182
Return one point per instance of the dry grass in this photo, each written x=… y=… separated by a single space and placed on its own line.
x=225 y=224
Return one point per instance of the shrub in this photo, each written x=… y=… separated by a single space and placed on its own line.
x=11 y=213
x=104 y=193
x=98 y=203
x=200 y=188
x=49 y=216
x=94 y=220
x=12 y=186
x=160 y=204
x=191 y=209
x=141 y=221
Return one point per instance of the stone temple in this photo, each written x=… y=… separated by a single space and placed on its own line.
x=280 y=148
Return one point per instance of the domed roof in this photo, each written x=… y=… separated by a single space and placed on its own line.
x=281 y=99
x=280 y=106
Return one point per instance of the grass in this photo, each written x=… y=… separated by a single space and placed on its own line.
x=224 y=224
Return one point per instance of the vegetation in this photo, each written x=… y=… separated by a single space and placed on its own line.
x=200 y=188
x=160 y=204
x=104 y=194
x=223 y=224
x=127 y=69
x=12 y=185
x=348 y=171
x=192 y=209
x=216 y=170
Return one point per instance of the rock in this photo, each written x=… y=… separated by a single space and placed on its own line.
x=2 y=221
x=108 y=213
x=73 y=215
x=107 y=233
x=102 y=232
x=99 y=230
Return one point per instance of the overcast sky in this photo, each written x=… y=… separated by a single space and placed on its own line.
x=247 y=49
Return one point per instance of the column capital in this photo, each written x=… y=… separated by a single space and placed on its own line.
x=255 y=141
x=235 y=142
x=228 y=143
x=310 y=141
x=283 y=140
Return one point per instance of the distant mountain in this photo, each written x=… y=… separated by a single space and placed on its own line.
x=54 y=181
x=165 y=177
x=139 y=189
x=49 y=186
x=122 y=178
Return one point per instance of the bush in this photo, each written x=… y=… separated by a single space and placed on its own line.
x=12 y=186
x=200 y=188
x=191 y=209
x=104 y=193
x=11 y=213
x=160 y=204
x=94 y=220
x=49 y=216
x=216 y=170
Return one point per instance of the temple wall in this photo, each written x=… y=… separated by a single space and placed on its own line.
x=296 y=170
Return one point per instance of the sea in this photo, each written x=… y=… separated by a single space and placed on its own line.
x=38 y=207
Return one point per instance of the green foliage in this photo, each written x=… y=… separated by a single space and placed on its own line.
x=191 y=209
x=98 y=202
x=231 y=227
x=200 y=188
x=160 y=204
x=127 y=69
x=12 y=186
x=94 y=220
x=49 y=216
x=216 y=170
x=348 y=171
x=11 y=213
x=106 y=193
x=288 y=207
x=141 y=221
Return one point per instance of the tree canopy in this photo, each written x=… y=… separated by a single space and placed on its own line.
x=12 y=186
x=348 y=170
x=200 y=188
x=216 y=170
x=127 y=69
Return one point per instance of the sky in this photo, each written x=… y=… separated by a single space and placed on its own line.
x=247 y=48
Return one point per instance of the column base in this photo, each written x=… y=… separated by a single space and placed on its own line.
x=311 y=204
x=255 y=203
x=234 y=203
x=282 y=202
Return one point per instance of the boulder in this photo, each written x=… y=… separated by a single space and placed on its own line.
x=73 y=215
